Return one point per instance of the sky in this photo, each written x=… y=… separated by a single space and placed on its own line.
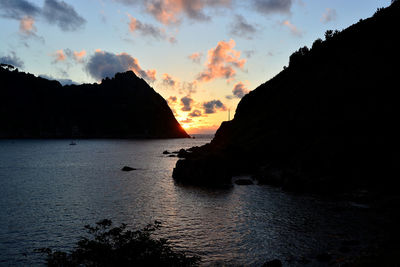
x=202 y=56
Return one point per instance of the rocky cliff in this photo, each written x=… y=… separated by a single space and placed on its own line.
x=122 y=107
x=329 y=121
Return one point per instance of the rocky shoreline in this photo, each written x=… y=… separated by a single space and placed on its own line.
x=325 y=124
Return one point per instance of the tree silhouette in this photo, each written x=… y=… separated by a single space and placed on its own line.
x=118 y=246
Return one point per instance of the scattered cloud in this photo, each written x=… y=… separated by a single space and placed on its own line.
x=62 y=14
x=169 y=81
x=212 y=106
x=78 y=56
x=239 y=90
x=188 y=88
x=105 y=64
x=17 y=9
x=249 y=53
x=53 y=11
x=187 y=120
x=173 y=11
x=241 y=28
x=187 y=103
x=12 y=59
x=170 y=11
x=273 y=6
x=293 y=29
x=59 y=56
x=68 y=56
x=144 y=29
x=195 y=113
x=196 y=57
x=222 y=61
x=26 y=25
x=172 y=40
x=172 y=99
x=329 y=15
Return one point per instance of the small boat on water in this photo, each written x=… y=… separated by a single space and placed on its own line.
x=72 y=143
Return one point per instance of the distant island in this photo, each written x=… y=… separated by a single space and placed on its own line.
x=329 y=122
x=122 y=107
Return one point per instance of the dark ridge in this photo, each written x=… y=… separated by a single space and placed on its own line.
x=122 y=107
x=327 y=123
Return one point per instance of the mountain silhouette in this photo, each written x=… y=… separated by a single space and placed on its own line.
x=122 y=107
x=327 y=122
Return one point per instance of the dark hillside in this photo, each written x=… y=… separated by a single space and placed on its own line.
x=329 y=121
x=122 y=107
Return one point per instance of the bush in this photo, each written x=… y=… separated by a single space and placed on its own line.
x=120 y=247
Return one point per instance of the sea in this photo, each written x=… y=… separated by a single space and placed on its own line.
x=50 y=189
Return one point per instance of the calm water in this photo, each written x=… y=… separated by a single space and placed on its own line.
x=49 y=190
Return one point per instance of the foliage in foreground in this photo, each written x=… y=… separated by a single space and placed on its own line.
x=120 y=247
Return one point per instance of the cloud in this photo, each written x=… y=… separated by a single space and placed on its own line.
x=59 y=56
x=169 y=11
x=66 y=55
x=62 y=14
x=53 y=12
x=172 y=99
x=187 y=120
x=212 y=106
x=195 y=113
x=249 y=53
x=187 y=103
x=196 y=57
x=293 y=29
x=169 y=81
x=172 y=40
x=172 y=11
x=26 y=25
x=105 y=64
x=17 y=9
x=273 y=6
x=12 y=60
x=240 y=27
x=221 y=62
x=329 y=15
x=239 y=90
x=188 y=88
x=144 y=28
x=78 y=56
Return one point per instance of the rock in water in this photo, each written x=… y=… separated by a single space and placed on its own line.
x=127 y=169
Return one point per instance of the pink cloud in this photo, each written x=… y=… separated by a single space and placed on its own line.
x=169 y=11
x=145 y=29
x=293 y=29
x=222 y=61
x=59 y=56
x=196 y=57
x=26 y=25
x=78 y=56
